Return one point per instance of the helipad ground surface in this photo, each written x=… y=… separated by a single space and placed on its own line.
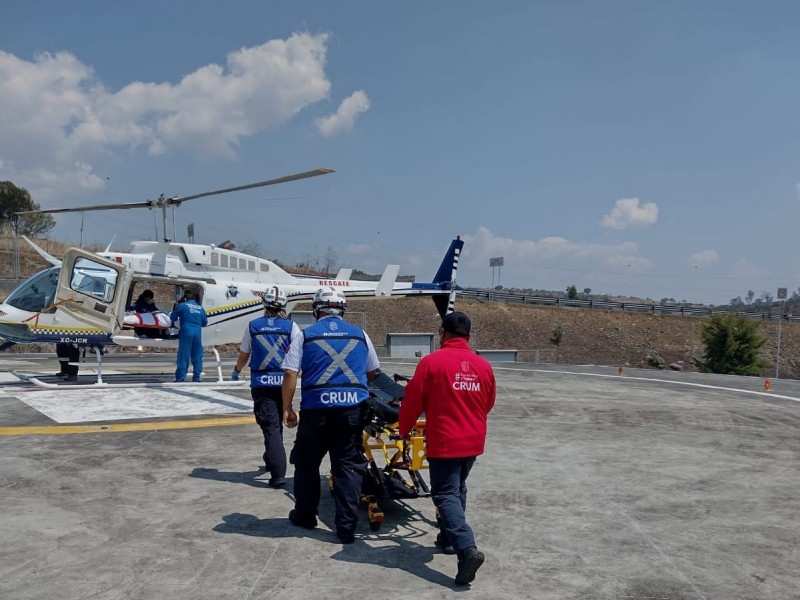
x=646 y=486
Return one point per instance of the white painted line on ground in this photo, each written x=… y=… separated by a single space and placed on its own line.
x=653 y=379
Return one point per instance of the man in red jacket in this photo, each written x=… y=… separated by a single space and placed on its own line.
x=455 y=388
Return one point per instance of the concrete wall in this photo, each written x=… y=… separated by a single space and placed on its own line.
x=409 y=345
x=494 y=356
x=303 y=318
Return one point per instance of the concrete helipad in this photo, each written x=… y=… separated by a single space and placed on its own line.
x=648 y=485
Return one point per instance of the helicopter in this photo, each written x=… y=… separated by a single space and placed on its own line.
x=86 y=298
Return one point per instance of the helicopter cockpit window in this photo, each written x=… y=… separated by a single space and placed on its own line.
x=94 y=279
x=36 y=293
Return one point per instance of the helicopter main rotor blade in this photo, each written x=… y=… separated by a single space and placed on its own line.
x=176 y=201
x=146 y=204
x=250 y=186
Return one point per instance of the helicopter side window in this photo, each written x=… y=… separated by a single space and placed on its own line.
x=36 y=293
x=93 y=279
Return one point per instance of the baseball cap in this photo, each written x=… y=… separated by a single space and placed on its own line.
x=457 y=323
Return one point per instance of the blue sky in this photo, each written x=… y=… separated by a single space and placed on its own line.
x=638 y=148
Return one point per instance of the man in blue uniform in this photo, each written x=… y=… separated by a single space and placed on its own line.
x=337 y=359
x=191 y=318
x=265 y=343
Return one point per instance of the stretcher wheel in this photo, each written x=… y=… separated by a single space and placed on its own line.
x=374 y=514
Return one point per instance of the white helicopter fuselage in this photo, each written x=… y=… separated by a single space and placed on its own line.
x=88 y=300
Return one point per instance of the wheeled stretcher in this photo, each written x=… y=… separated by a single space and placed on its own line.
x=395 y=465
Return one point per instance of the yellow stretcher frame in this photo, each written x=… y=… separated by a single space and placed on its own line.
x=398 y=454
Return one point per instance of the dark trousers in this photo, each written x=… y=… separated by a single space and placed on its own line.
x=68 y=353
x=268 y=409
x=449 y=494
x=337 y=431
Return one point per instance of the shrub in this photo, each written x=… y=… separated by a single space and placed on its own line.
x=654 y=360
x=732 y=344
x=558 y=335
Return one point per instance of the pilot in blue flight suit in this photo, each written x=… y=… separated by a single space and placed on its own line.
x=337 y=359
x=265 y=343
x=192 y=318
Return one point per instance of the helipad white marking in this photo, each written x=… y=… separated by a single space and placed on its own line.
x=654 y=380
x=82 y=406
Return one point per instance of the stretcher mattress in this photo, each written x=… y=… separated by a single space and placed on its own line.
x=155 y=320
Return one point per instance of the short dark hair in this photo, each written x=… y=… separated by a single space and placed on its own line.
x=457 y=323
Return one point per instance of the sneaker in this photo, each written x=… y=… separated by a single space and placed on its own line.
x=60 y=374
x=445 y=546
x=277 y=482
x=469 y=561
x=71 y=378
x=299 y=521
x=346 y=536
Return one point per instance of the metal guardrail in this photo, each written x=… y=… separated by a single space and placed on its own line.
x=655 y=309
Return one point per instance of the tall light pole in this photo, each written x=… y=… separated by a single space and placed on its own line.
x=496 y=262
x=782 y=297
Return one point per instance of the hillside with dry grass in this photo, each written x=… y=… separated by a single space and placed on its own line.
x=599 y=337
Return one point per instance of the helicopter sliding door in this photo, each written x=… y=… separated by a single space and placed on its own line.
x=93 y=290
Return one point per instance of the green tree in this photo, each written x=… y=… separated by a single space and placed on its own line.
x=572 y=292
x=14 y=199
x=732 y=344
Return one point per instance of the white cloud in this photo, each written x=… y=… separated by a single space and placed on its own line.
x=58 y=120
x=344 y=119
x=744 y=269
x=627 y=213
x=552 y=250
x=702 y=259
x=360 y=249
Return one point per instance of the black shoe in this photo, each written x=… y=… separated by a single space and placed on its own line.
x=303 y=522
x=60 y=374
x=277 y=482
x=71 y=378
x=444 y=545
x=346 y=536
x=469 y=561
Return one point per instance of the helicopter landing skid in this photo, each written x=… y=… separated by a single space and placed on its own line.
x=126 y=380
